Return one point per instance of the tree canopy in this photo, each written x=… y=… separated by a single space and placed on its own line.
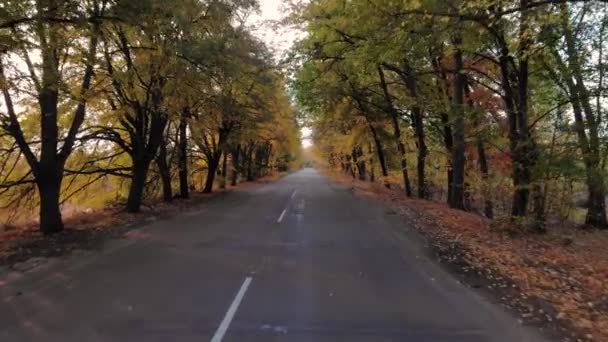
x=493 y=106
x=133 y=100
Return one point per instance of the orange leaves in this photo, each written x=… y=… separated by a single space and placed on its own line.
x=554 y=282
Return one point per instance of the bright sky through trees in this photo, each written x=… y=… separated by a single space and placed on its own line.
x=161 y=99
x=277 y=37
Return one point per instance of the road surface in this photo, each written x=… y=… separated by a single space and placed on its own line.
x=300 y=259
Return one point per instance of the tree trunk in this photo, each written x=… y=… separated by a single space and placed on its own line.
x=417 y=118
x=422 y=151
x=236 y=154
x=268 y=163
x=184 y=188
x=443 y=88
x=372 y=172
x=587 y=125
x=458 y=158
x=485 y=174
x=520 y=140
x=404 y=171
x=396 y=133
x=139 y=173
x=213 y=164
x=520 y=181
x=482 y=159
x=523 y=149
x=49 y=189
x=538 y=224
x=448 y=141
x=350 y=166
x=596 y=213
x=362 y=170
x=379 y=152
x=165 y=172
x=250 y=176
x=224 y=172
x=360 y=162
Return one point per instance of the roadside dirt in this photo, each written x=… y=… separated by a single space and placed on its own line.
x=558 y=281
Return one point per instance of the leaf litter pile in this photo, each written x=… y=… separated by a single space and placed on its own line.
x=557 y=281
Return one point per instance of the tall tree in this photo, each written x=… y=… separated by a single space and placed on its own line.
x=52 y=30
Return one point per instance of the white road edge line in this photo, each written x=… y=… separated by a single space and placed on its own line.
x=282 y=216
x=294 y=193
x=223 y=328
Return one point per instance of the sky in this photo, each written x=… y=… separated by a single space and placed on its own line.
x=278 y=38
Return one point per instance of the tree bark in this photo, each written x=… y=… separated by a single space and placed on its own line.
x=250 y=175
x=213 y=164
x=523 y=149
x=139 y=174
x=372 y=172
x=404 y=170
x=586 y=125
x=379 y=151
x=360 y=162
x=485 y=174
x=184 y=188
x=394 y=115
x=408 y=75
x=49 y=189
x=48 y=170
x=482 y=160
x=236 y=155
x=224 y=172
x=458 y=158
x=443 y=87
x=417 y=122
x=165 y=172
x=448 y=142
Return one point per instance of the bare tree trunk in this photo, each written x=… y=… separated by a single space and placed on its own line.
x=404 y=170
x=165 y=172
x=410 y=78
x=360 y=162
x=448 y=141
x=523 y=149
x=396 y=133
x=485 y=174
x=236 y=155
x=458 y=158
x=250 y=175
x=379 y=151
x=184 y=188
x=443 y=87
x=49 y=189
x=224 y=172
x=482 y=159
x=417 y=119
x=139 y=174
x=213 y=163
x=587 y=126
x=372 y=172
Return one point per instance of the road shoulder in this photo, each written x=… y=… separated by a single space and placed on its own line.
x=518 y=272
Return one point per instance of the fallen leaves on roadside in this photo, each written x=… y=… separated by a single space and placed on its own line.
x=88 y=231
x=558 y=279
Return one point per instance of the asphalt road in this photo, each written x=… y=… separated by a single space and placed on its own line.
x=300 y=259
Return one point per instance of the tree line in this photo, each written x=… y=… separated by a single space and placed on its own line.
x=497 y=106
x=139 y=98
